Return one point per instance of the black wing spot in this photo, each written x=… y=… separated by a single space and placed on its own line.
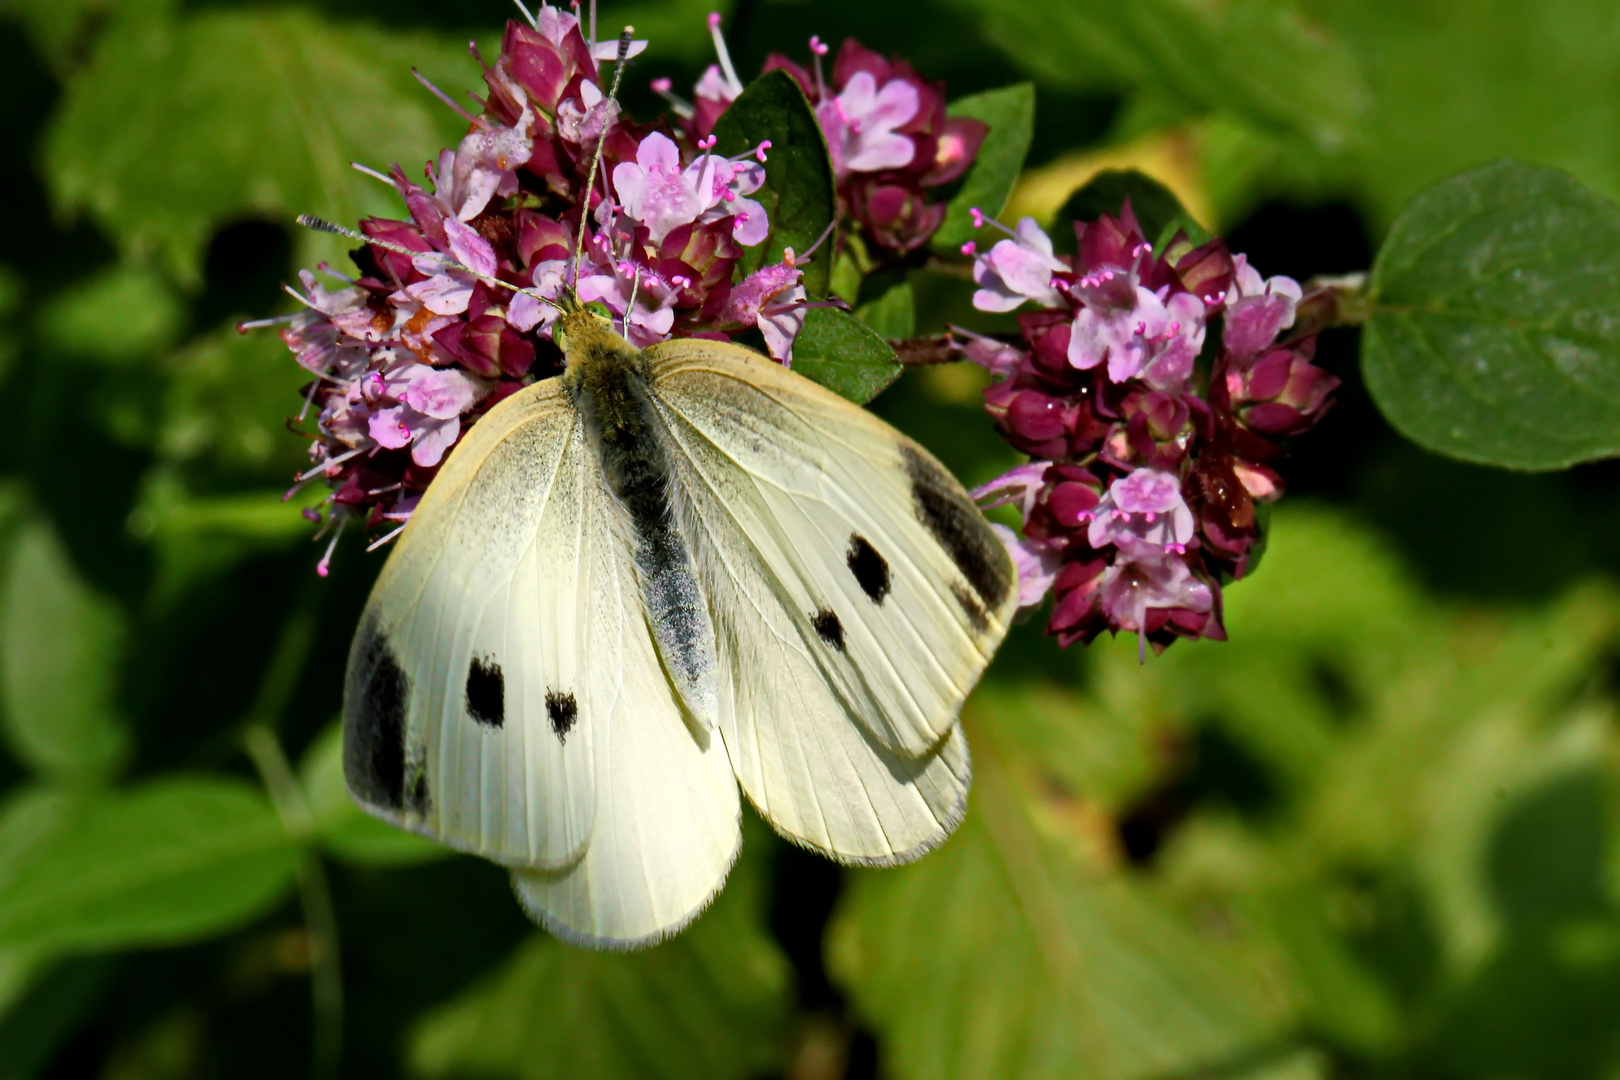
x=486 y=692
x=971 y=608
x=563 y=711
x=828 y=626
x=961 y=530
x=377 y=697
x=871 y=570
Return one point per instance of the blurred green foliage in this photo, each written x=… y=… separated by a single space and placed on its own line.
x=1371 y=835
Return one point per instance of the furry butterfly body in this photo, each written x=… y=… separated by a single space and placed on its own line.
x=660 y=577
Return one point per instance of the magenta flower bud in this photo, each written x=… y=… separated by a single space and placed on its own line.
x=1282 y=392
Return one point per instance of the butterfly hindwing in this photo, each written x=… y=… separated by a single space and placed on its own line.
x=850 y=625
x=668 y=821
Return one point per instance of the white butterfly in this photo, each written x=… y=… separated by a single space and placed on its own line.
x=645 y=582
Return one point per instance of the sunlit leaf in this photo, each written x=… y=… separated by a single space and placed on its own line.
x=708 y=1004
x=170 y=861
x=1260 y=58
x=1495 y=335
x=1010 y=114
x=798 y=193
x=115 y=318
x=1002 y=954
x=60 y=648
x=841 y=353
x=184 y=120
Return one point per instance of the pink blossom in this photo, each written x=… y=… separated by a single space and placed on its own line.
x=1019 y=486
x=860 y=124
x=772 y=299
x=654 y=313
x=1259 y=310
x=484 y=165
x=1144 y=581
x=1143 y=510
x=448 y=286
x=1017 y=270
x=658 y=192
x=428 y=416
x=1037 y=564
x=581 y=120
x=1150 y=338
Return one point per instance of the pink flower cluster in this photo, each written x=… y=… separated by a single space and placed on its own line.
x=452 y=309
x=1151 y=443
x=885 y=126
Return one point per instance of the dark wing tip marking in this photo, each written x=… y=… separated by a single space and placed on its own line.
x=486 y=692
x=562 y=710
x=946 y=512
x=971 y=608
x=827 y=625
x=871 y=570
x=378 y=694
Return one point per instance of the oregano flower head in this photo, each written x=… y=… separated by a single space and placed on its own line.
x=452 y=306
x=1150 y=442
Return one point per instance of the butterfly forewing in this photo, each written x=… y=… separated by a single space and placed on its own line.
x=475 y=622
x=667 y=821
x=875 y=552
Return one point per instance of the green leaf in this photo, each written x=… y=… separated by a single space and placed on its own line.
x=1262 y=59
x=227 y=401
x=1443 y=101
x=119 y=316
x=194 y=537
x=709 y=1004
x=56 y=1005
x=174 y=860
x=1010 y=113
x=1495 y=334
x=1034 y=963
x=798 y=194
x=60 y=649
x=1155 y=206
x=180 y=122
x=892 y=315
x=841 y=353
x=344 y=829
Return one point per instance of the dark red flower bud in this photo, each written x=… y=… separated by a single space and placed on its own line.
x=899 y=216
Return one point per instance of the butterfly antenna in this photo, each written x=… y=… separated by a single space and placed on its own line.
x=310 y=221
x=630 y=308
x=601 y=141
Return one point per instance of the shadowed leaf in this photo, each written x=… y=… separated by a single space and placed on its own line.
x=1010 y=113
x=798 y=194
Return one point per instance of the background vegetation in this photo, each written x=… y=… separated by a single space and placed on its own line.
x=1372 y=835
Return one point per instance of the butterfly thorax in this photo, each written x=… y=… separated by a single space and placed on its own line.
x=610 y=384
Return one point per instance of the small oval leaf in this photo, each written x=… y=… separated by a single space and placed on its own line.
x=1495 y=333
x=843 y=354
